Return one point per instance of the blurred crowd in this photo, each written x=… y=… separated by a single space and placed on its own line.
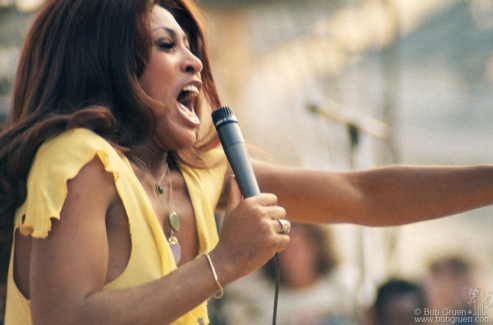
x=314 y=290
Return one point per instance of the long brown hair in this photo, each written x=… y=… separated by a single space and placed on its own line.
x=79 y=67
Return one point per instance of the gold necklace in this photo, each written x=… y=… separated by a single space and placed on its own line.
x=173 y=218
x=157 y=184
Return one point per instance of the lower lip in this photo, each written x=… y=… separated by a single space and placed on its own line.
x=189 y=117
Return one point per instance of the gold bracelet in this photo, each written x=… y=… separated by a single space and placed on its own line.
x=221 y=291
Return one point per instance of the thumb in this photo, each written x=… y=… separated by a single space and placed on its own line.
x=235 y=196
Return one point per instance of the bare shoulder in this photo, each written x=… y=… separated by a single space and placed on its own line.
x=90 y=195
x=72 y=239
x=93 y=187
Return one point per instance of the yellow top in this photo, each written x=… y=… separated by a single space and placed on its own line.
x=60 y=159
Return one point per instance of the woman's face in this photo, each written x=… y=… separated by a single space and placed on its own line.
x=172 y=77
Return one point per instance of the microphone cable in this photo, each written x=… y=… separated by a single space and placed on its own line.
x=278 y=284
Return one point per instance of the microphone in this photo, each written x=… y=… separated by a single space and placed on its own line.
x=236 y=151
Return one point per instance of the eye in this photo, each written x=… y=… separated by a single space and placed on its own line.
x=165 y=44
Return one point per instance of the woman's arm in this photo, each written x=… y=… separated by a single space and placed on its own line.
x=68 y=269
x=384 y=196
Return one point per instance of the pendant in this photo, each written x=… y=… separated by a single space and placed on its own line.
x=159 y=189
x=176 y=250
x=172 y=239
x=174 y=220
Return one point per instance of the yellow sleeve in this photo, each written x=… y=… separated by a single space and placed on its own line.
x=58 y=160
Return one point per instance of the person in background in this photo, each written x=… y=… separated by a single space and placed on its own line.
x=313 y=289
x=449 y=286
x=398 y=302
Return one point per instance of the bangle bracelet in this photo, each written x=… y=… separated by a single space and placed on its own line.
x=221 y=291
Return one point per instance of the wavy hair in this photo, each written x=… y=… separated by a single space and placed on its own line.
x=79 y=67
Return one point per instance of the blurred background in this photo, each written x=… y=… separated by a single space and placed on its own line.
x=352 y=84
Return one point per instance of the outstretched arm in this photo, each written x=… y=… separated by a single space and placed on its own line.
x=392 y=195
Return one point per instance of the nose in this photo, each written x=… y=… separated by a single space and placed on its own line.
x=192 y=63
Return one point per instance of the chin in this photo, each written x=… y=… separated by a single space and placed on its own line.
x=183 y=141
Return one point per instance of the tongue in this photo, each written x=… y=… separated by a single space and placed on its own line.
x=188 y=114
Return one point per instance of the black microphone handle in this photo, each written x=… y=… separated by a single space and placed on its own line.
x=235 y=149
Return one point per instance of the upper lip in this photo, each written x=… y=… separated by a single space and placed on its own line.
x=196 y=83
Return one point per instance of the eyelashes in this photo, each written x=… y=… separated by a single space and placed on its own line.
x=166 y=45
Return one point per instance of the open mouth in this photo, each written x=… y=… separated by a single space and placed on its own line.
x=187 y=96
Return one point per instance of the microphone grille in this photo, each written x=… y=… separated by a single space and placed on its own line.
x=221 y=113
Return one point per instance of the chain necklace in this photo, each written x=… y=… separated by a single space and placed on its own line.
x=157 y=184
x=173 y=218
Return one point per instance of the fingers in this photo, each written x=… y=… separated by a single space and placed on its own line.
x=281 y=228
x=285 y=226
x=282 y=237
x=283 y=242
x=252 y=222
x=235 y=196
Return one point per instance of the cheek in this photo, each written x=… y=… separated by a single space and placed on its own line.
x=145 y=84
x=153 y=87
x=155 y=79
x=148 y=81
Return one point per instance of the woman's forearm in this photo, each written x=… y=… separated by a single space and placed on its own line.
x=402 y=194
x=391 y=195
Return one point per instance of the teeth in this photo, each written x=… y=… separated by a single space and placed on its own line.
x=188 y=93
x=191 y=88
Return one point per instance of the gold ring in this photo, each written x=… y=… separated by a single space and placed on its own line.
x=285 y=226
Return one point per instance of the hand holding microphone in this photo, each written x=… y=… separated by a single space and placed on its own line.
x=237 y=154
x=236 y=151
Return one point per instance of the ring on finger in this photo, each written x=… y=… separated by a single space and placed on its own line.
x=285 y=226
